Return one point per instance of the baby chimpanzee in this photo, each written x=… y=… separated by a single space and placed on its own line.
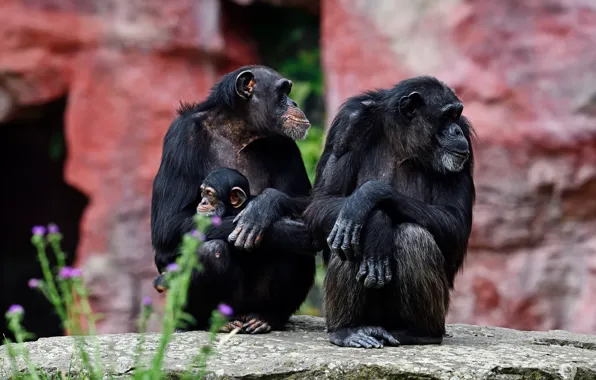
x=247 y=281
x=224 y=192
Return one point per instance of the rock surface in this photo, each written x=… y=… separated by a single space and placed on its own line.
x=526 y=71
x=303 y=352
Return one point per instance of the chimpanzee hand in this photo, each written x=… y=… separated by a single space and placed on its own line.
x=344 y=239
x=376 y=272
x=255 y=219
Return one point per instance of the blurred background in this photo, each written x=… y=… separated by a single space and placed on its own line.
x=88 y=89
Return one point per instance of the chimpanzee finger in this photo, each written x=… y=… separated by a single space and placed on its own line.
x=249 y=244
x=374 y=343
x=234 y=235
x=359 y=342
x=371 y=280
x=237 y=218
x=262 y=328
x=363 y=271
x=331 y=237
x=335 y=243
x=230 y=326
x=384 y=335
x=379 y=269
x=355 y=241
x=259 y=238
x=241 y=239
x=355 y=343
x=388 y=275
x=346 y=247
x=249 y=322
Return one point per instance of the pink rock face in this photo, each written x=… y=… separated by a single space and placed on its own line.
x=526 y=73
x=124 y=67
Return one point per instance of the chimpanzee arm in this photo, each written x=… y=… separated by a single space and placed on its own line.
x=176 y=189
x=449 y=219
x=288 y=196
x=336 y=180
x=285 y=236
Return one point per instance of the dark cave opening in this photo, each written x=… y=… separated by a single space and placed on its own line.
x=34 y=193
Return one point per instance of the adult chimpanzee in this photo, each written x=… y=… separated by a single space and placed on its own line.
x=249 y=123
x=393 y=199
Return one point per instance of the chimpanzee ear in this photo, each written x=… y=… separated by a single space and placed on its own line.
x=408 y=105
x=245 y=82
x=237 y=197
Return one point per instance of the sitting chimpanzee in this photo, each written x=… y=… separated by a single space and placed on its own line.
x=249 y=123
x=225 y=193
x=393 y=200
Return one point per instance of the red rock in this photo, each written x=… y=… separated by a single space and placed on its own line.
x=124 y=67
x=525 y=71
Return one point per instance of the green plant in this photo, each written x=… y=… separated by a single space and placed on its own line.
x=64 y=288
x=311 y=148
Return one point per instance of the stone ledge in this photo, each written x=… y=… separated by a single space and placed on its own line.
x=303 y=352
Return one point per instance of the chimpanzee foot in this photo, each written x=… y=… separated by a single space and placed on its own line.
x=160 y=284
x=363 y=337
x=231 y=325
x=256 y=325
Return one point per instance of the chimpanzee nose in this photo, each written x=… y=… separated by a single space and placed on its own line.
x=455 y=131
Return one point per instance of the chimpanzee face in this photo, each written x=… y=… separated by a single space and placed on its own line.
x=436 y=127
x=222 y=191
x=269 y=106
x=210 y=204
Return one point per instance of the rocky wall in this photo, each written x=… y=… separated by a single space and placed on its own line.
x=124 y=66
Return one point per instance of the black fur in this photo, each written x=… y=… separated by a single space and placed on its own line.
x=393 y=200
x=250 y=136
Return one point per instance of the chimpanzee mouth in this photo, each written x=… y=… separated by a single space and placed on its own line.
x=294 y=117
x=206 y=213
x=462 y=155
x=297 y=122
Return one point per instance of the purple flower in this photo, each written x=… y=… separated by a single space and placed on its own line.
x=147 y=301
x=33 y=283
x=65 y=273
x=53 y=228
x=173 y=267
x=15 y=309
x=225 y=309
x=198 y=235
x=68 y=272
x=216 y=221
x=39 y=230
x=75 y=272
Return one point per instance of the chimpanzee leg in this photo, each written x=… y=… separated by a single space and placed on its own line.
x=350 y=323
x=276 y=284
x=219 y=276
x=421 y=286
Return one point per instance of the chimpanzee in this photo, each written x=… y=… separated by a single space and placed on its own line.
x=225 y=193
x=249 y=123
x=393 y=199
